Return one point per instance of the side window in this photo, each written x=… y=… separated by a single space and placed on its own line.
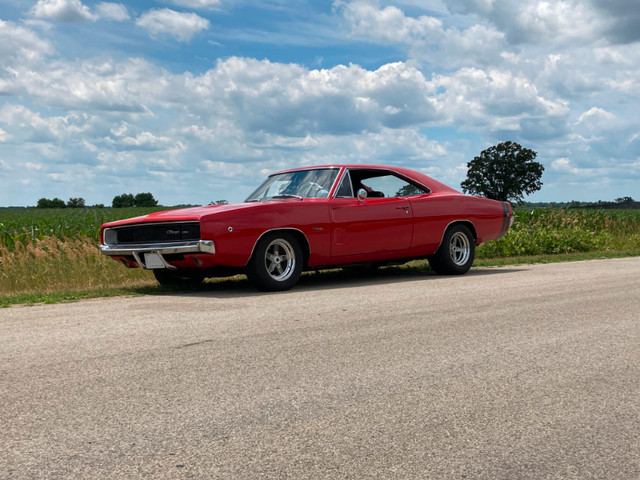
x=391 y=186
x=345 y=190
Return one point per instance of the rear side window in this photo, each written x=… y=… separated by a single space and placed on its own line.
x=391 y=186
x=384 y=183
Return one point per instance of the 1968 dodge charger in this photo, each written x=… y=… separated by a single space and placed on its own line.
x=312 y=218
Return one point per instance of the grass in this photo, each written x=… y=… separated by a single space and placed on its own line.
x=55 y=267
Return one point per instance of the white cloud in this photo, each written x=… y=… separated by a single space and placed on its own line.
x=182 y=26
x=146 y=140
x=88 y=85
x=27 y=125
x=494 y=100
x=596 y=117
x=541 y=22
x=556 y=22
x=290 y=100
x=425 y=37
x=199 y=4
x=389 y=24
x=112 y=11
x=67 y=11
x=19 y=45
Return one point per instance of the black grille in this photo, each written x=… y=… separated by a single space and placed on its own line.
x=159 y=233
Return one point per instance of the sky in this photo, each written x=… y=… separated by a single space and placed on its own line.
x=196 y=101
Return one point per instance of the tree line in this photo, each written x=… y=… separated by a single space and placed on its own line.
x=119 y=201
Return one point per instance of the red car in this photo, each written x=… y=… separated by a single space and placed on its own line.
x=312 y=218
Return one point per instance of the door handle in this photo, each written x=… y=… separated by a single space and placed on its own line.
x=406 y=209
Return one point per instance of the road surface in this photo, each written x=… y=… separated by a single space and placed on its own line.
x=526 y=372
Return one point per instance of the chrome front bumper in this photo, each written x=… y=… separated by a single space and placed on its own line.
x=138 y=250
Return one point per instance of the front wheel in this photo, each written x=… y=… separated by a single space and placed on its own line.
x=456 y=252
x=276 y=263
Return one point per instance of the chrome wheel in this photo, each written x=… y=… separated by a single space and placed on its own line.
x=276 y=263
x=280 y=259
x=459 y=248
x=456 y=252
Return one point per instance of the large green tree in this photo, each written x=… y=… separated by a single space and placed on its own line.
x=504 y=172
x=124 y=200
x=145 y=200
x=75 y=203
x=53 y=203
x=129 y=200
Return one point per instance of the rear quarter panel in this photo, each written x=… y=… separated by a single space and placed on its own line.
x=434 y=212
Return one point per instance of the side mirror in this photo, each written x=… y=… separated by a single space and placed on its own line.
x=362 y=194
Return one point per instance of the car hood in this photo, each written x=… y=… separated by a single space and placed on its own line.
x=183 y=214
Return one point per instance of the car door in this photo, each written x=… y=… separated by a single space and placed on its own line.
x=380 y=223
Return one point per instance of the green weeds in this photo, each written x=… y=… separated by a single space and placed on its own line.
x=557 y=231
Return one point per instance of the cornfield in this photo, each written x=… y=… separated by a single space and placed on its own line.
x=24 y=225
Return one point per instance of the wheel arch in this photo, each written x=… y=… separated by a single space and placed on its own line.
x=298 y=235
x=466 y=223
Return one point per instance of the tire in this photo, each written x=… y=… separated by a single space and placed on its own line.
x=456 y=252
x=177 y=278
x=276 y=264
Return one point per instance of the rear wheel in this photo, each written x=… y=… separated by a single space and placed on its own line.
x=276 y=263
x=176 y=278
x=456 y=252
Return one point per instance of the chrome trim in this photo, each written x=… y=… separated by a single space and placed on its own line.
x=341 y=178
x=203 y=246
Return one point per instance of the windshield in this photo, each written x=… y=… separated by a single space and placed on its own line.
x=300 y=184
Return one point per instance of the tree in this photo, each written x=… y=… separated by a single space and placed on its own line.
x=55 y=203
x=504 y=172
x=75 y=203
x=144 y=200
x=44 y=203
x=122 y=201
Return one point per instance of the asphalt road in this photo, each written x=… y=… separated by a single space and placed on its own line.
x=529 y=372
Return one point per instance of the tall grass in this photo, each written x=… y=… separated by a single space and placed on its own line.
x=52 y=265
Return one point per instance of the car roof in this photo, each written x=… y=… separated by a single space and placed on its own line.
x=414 y=175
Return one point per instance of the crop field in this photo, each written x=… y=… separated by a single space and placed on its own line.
x=23 y=225
x=44 y=251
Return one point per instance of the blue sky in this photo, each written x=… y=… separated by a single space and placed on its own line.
x=198 y=100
